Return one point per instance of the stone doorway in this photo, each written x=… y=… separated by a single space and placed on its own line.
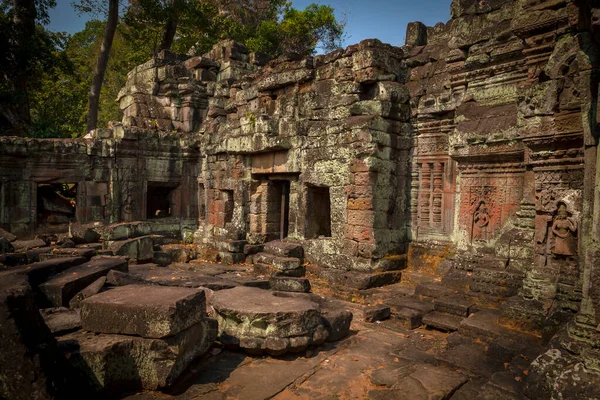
x=280 y=211
x=56 y=206
x=161 y=200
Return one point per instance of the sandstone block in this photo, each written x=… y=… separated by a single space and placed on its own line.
x=41 y=271
x=7 y=235
x=137 y=249
x=85 y=233
x=61 y=320
x=6 y=246
x=337 y=323
x=24 y=245
x=146 y=311
x=376 y=313
x=151 y=363
x=59 y=290
x=127 y=230
x=68 y=252
x=289 y=284
x=94 y=288
x=284 y=249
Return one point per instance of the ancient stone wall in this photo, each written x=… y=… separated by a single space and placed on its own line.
x=112 y=172
x=302 y=136
x=500 y=102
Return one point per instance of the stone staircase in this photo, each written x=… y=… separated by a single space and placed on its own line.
x=278 y=258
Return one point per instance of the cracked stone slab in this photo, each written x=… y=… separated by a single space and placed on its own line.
x=118 y=363
x=142 y=310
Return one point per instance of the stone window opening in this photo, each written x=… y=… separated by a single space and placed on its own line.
x=227 y=198
x=368 y=91
x=318 y=212
x=56 y=205
x=159 y=200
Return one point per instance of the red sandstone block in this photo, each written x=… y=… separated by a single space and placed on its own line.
x=360 y=203
x=360 y=218
x=358 y=165
x=363 y=178
x=212 y=218
x=364 y=234
x=349 y=232
x=359 y=191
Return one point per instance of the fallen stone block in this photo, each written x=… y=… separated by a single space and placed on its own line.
x=441 y=321
x=24 y=245
x=456 y=305
x=376 y=313
x=161 y=258
x=59 y=290
x=171 y=277
x=288 y=284
x=284 y=249
x=7 y=235
x=258 y=321
x=232 y=246
x=32 y=365
x=61 y=320
x=41 y=271
x=127 y=230
x=231 y=258
x=136 y=249
x=409 y=318
x=146 y=311
x=33 y=255
x=337 y=323
x=280 y=263
x=178 y=252
x=13 y=259
x=269 y=270
x=359 y=280
x=432 y=290
x=118 y=278
x=85 y=233
x=94 y=288
x=68 y=252
x=251 y=249
x=151 y=364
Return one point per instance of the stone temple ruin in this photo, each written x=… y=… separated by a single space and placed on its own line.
x=446 y=190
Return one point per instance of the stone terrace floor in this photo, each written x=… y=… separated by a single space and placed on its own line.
x=477 y=358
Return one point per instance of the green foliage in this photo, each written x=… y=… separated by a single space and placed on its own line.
x=63 y=65
x=270 y=26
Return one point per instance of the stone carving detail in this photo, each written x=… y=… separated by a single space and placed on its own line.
x=564 y=229
x=431 y=192
x=488 y=200
x=481 y=223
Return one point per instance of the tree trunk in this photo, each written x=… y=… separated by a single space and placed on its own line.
x=170 y=28
x=109 y=34
x=18 y=113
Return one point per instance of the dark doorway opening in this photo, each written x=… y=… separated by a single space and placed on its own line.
x=318 y=212
x=56 y=206
x=201 y=201
x=284 y=223
x=228 y=205
x=159 y=200
x=278 y=209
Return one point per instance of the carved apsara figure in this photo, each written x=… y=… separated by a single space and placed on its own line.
x=481 y=220
x=564 y=228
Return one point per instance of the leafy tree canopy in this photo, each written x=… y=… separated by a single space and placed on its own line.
x=59 y=67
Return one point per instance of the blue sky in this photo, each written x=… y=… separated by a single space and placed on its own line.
x=382 y=19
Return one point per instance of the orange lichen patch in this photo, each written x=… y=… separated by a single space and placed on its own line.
x=520 y=327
